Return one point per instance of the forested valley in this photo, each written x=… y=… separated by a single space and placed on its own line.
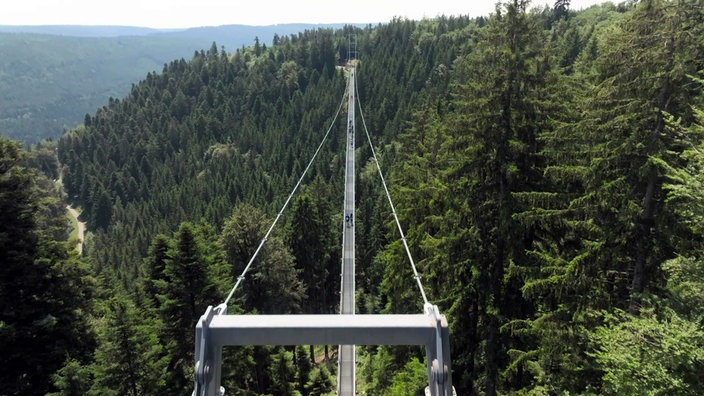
x=547 y=166
x=50 y=76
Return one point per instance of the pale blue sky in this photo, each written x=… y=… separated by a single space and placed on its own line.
x=193 y=13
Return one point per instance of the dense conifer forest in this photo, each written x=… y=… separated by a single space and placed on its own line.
x=51 y=76
x=546 y=164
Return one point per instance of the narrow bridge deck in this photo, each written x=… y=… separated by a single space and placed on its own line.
x=346 y=357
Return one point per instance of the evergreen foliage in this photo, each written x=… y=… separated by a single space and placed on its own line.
x=45 y=288
x=51 y=76
x=273 y=284
x=546 y=166
x=129 y=359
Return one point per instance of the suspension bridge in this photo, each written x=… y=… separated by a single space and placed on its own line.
x=216 y=328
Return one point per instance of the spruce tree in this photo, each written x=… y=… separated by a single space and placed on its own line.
x=490 y=155
x=44 y=287
x=129 y=359
x=283 y=373
x=604 y=227
x=185 y=293
x=303 y=369
x=308 y=244
x=155 y=264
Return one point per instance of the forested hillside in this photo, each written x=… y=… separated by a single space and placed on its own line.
x=546 y=164
x=51 y=76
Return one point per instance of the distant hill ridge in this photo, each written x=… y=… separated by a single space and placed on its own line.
x=51 y=76
x=267 y=31
x=81 y=30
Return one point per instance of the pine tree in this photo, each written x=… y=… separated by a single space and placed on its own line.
x=44 y=288
x=309 y=247
x=155 y=264
x=129 y=360
x=603 y=226
x=490 y=154
x=101 y=210
x=667 y=362
x=283 y=374
x=303 y=370
x=72 y=379
x=184 y=295
x=320 y=383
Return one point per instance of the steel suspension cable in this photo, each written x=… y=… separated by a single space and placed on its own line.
x=273 y=224
x=391 y=204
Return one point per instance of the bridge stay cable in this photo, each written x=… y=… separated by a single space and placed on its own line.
x=215 y=329
x=240 y=278
x=391 y=204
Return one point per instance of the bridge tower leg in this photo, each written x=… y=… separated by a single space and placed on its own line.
x=208 y=355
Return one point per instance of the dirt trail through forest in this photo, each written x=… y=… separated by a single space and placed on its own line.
x=74 y=213
x=81 y=227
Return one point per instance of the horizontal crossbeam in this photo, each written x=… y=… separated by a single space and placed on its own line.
x=216 y=329
x=322 y=330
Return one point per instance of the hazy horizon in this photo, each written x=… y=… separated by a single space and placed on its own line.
x=185 y=14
